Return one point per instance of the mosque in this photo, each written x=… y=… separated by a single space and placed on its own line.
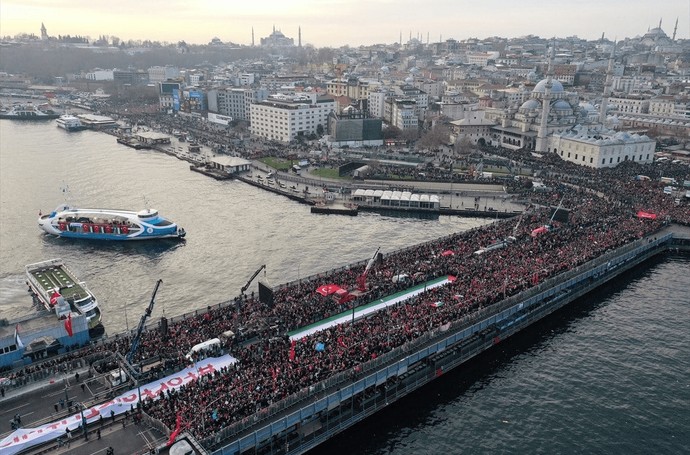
x=553 y=120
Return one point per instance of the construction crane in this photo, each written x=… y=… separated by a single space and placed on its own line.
x=140 y=329
x=246 y=286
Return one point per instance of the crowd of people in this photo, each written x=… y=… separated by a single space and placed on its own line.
x=602 y=209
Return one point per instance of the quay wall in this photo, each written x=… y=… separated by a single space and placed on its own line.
x=315 y=415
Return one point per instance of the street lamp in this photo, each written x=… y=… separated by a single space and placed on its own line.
x=82 y=406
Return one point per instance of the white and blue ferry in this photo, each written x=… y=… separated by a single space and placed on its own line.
x=107 y=224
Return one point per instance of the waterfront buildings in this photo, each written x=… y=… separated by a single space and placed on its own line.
x=285 y=118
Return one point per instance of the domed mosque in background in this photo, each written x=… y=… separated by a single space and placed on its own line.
x=554 y=120
x=656 y=37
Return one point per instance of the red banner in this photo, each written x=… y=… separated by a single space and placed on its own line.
x=68 y=325
x=646 y=215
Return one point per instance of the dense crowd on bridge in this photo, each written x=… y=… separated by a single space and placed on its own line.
x=602 y=206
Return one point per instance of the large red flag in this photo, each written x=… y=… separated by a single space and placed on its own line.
x=68 y=324
x=176 y=431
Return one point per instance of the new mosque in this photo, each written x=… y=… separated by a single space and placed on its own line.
x=553 y=120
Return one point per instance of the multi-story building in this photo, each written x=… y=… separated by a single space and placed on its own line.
x=669 y=106
x=404 y=114
x=377 y=101
x=235 y=102
x=352 y=88
x=410 y=92
x=163 y=73
x=473 y=127
x=284 y=118
x=165 y=95
x=130 y=76
x=100 y=75
x=629 y=104
x=354 y=129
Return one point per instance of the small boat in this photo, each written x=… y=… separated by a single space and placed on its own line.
x=69 y=123
x=108 y=224
x=28 y=112
x=57 y=288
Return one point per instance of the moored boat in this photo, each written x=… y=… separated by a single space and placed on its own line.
x=108 y=224
x=28 y=112
x=69 y=123
x=58 y=289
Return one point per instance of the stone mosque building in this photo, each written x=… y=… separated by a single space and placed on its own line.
x=553 y=120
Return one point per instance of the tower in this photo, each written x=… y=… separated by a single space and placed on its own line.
x=607 y=86
x=44 y=32
x=299 y=36
x=545 y=106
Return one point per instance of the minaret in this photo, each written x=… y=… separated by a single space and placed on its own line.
x=541 y=145
x=400 y=40
x=607 y=87
x=299 y=36
x=252 y=36
x=675 y=29
x=660 y=22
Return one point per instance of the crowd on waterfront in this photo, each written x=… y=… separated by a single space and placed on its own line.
x=602 y=206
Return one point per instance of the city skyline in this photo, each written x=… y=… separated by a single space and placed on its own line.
x=343 y=22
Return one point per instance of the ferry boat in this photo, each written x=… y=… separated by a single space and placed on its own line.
x=28 y=112
x=108 y=224
x=57 y=288
x=69 y=123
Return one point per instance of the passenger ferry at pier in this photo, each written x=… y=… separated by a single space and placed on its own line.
x=28 y=112
x=57 y=288
x=107 y=224
x=69 y=123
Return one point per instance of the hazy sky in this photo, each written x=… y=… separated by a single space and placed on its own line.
x=339 y=22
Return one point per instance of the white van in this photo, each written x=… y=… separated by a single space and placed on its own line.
x=117 y=377
x=203 y=346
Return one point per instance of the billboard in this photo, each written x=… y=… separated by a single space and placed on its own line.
x=219 y=119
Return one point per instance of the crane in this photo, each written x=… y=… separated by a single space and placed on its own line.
x=140 y=329
x=246 y=286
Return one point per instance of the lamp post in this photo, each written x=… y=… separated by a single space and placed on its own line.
x=83 y=420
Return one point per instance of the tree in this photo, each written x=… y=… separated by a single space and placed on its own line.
x=463 y=145
x=434 y=138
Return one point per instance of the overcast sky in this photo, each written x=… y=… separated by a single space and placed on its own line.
x=340 y=22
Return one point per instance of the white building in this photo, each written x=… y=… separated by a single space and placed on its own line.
x=163 y=73
x=100 y=75
x=235 y=102
x=284 y=118
x=600 y=150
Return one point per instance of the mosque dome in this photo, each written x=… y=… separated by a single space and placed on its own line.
x=556 y=87
x=562 y=105
x=409 y=79
x=655 y=33
x=530 y=104
x=587 y=108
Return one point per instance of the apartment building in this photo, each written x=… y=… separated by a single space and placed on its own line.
x=284 y=118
